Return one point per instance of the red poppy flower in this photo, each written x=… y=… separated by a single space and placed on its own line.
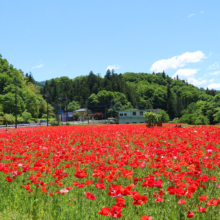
x=190 y=214
x=90 y=196
x=146 y=217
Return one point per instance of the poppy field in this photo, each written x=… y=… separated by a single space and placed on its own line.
x=96 y=172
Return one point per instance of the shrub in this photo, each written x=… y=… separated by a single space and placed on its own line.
x=53 y=122
x=1 y=113
x=164 y=116
x=151 y=118
x=194 y=119
x=67 y=123
x=44 y=116
x=111 y=122
x=175 y=120
x=9 y=119
x=2 y=119
x=19 y=119
x=26 y=116
x=201 y=120
x=98 y=116
x=75 y=116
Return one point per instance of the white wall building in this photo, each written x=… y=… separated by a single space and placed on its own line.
x=133 y=116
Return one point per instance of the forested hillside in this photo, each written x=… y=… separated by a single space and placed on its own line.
x=126 y=91
x=183 y=102
x=29 y=99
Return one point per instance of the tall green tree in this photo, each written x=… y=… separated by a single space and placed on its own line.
x=171 y=103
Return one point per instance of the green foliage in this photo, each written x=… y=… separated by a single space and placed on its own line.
x=152 y=118
x=26 y=116
x=194 y=119
x=75 y=116
x=175 y=120
x=9 y=119
x=40 y=84
x=8 y=101
x=217 y=115
x=53 y=122
x=126 y=91
x=13 y=81
x=201 y=120
x=67 y=123
x=44 y=116
x=93 y=99
x=164 y=116
x=1 y=113
x=188 y=118
x=74 y=105
x=19 y=119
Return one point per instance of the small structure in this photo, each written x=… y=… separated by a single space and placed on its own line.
x=84 y=114
x=69 y=116
x=133 y=116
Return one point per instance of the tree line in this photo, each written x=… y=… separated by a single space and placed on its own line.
x=115 y=92
x=20 y=87
x=107 y=95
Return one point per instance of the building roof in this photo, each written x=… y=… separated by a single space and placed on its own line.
x=140 y=110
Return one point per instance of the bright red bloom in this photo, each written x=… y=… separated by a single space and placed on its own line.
x=200 y=209
x=120 y=202
x=116 y=212
x=181 y=201
x=104 y=211
x=88 y=182
x=115 y=190
x=139 y=200
x=80 y=174
x=159 y=199
x=9 y=179
x=203 y=198
x=100 y=185
x=146 y=217
x=90 y=196
x=190 y=214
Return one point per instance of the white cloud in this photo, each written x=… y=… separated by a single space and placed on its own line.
x=211 y=80
x=185 y=73
x=177 y=61
x=196 y=82
x=216 y=73
x=214 y=66
x=190 y=15
x=113 y=67
x=188 y=74
x=38 y=66
x=214 y=86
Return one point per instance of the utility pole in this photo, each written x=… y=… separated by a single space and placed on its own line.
x=87 y=102
x=15 y=102
x=111 y=108
x=55 y=110
x=59 y=116
x=66 y=110
x=47 y=95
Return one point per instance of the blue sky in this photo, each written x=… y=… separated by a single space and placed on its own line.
x=52 y=38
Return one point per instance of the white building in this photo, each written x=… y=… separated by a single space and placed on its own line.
x=133 y=116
